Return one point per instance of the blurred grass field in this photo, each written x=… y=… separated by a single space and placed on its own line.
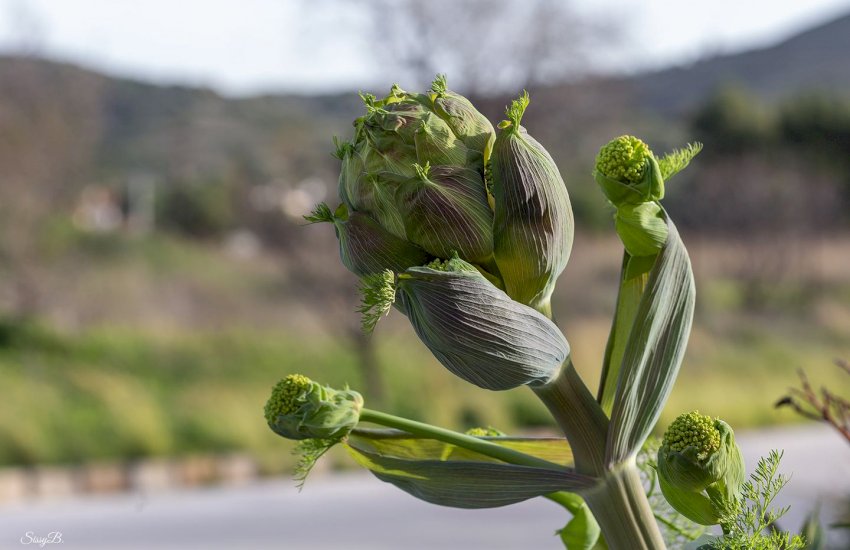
x=174 y=379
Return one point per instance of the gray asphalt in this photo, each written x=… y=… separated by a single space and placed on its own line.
x=356 y=511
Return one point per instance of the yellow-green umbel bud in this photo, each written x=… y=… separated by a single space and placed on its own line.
x=302 y=409
x=285 y=396
x=631 y=179
x=693 y=430
x=624 y=159
x=628 y=173
x=533 y=222
x=476 y=330
x=701 y=468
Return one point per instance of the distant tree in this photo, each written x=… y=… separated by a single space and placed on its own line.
x=196 y=209
x=734 y=121
x=818 y=125
x=817 y=121
x=47 y=153
x=486 y=46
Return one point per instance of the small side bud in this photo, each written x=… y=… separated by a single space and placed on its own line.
x=693 y=430
x=286 y=396
x=299 y=408
x=480 y=431
x=628 y=173
x=632 y=181
x=701 y=468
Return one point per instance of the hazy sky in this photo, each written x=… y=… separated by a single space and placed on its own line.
x=248 y=46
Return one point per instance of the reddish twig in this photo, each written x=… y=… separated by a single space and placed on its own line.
x=824 y=406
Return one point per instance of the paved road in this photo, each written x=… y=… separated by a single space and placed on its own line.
x=355 y=511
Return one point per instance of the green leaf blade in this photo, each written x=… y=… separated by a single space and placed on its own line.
x=628 y=300
x=655 y=349
x=445 y=475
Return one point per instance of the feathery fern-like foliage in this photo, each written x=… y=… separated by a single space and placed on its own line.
x=378 y=296
x=674 y=162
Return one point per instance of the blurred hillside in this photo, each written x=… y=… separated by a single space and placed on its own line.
x=812 y=60
x=153 y=255
x=107 y=131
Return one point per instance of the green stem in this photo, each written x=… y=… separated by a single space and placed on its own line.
x=618 y=501
x=570 y=501
x=472 y=443
x=620 y=506
x=579 y=416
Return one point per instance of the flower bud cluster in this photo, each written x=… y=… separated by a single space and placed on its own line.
x=299 y=408
x=623 y=159
x=631 y=179
x=464 y=258
x=701 y=468
x=693 y=430
x=426 y=177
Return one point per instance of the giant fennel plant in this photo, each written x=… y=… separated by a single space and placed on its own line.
x=465 y=230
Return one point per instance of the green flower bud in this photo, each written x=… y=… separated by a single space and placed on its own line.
x=441 y=127
x=631 y=179
x=533 y=226
x=701 y=468
x=391 y=128
x=628 y=173
x=445 y=210
x=302 y=409
x=382 y=171
x=372 y=190
x=364 y=246
x=435 y=141
x=351 y=170
x=473 y=128
x=489 y=431
x=476 y=330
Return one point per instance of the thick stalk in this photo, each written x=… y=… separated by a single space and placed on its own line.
x=472 y=443
x=620 y=506
x=579 y=416
x=619 y=501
